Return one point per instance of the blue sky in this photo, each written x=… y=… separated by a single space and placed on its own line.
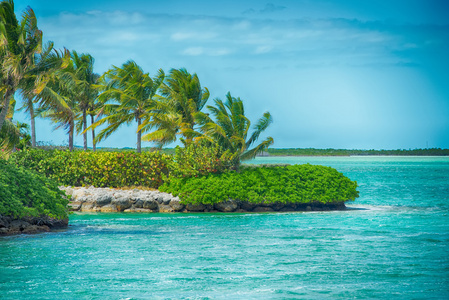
x=334 y=74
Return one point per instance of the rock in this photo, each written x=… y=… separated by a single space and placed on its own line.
x=87 y=206
x=19 y=225
x=4 y=231
x=78 y=193
x=276 y=206
x=262 y=209
x=109 y=208
x=176 y=204
x=248 y=206
x=226 y=206
x=103 y=199
x=150 y=204
x=195 y=207
x=138 y=203
x=4 y=222
x=35 y=229
x=164 y=198
x=54 y=223
x=287 y=208
x=121 y=203
x=165 y=208
x=74 y=206
x=83 y=199
x=143 y=210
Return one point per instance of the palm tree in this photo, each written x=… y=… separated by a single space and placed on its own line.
x=174 y=114
x=60 y=99
x=127 y=94
x=81 y=80
x=66 y=113
x=19 y=43
x=230 y=129
x=12 y=133
x=30 y=97
x=28 y=106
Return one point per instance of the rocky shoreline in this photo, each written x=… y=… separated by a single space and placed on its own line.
x=11 y=226
x=91 y=199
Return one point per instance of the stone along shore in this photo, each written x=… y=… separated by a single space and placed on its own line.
x=90 y=199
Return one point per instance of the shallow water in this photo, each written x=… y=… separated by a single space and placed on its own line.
x=393 y=242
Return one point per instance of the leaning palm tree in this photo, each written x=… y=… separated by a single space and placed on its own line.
x=28 y=104
x=12 y=133
x=58 y=101
x=231 y=127
x=19 y=43
x=83 y=80
x=9 y=134
x=174 y=114
x=30 y=96
x=127 y=93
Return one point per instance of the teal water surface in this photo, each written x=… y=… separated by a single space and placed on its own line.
x=392 y=243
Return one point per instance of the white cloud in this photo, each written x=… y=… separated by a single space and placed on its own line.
x=194 y=51
x=263 y=49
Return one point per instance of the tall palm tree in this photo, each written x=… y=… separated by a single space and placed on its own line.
x=19 y=43
x=181 y=98
x=12 y=133
x=30 y=96
x=60 y=100
x=28 y=105
x=231 y=127
x=127 y=93
x=82 y=80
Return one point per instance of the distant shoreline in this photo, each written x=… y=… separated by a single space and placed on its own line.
x=355 y=152
x=300 y=152
x=353 y=155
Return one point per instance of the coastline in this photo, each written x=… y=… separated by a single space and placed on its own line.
x=91 y=199
x=29 y=225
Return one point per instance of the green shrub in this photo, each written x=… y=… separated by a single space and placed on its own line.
x=198 y=160
x=288 y=184
x=25 y=193
x=100 y=169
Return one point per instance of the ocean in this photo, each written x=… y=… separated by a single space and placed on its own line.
x=391 y=242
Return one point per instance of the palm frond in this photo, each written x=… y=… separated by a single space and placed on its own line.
x=258 y=149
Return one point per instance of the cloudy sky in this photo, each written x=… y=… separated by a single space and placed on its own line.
x=334 y=74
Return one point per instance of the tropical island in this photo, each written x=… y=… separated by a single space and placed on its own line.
x=205 y=174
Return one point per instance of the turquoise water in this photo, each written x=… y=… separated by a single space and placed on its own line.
x=393 y=243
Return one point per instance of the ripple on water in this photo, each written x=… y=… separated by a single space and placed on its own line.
x=392 y=242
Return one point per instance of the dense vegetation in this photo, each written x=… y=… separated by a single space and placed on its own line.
x=63 y=87
x=345 y=152
x=198 y=174
x=24 y=193
x=290 y=184
x=100 y=169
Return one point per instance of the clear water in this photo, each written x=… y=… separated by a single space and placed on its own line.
x=393 y=243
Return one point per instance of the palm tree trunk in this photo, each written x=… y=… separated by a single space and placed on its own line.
x=139 y=135
x=71 y=129
x=94 y=146
x=84 y=129
x=6 y=99
x=33 y=127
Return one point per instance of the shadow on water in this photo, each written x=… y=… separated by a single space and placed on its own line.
x=100 y=230
x=356 y=208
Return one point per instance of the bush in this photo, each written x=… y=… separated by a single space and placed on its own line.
x=199 y=160
x=100 y=169
x=288 y=184
x=24 y=193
